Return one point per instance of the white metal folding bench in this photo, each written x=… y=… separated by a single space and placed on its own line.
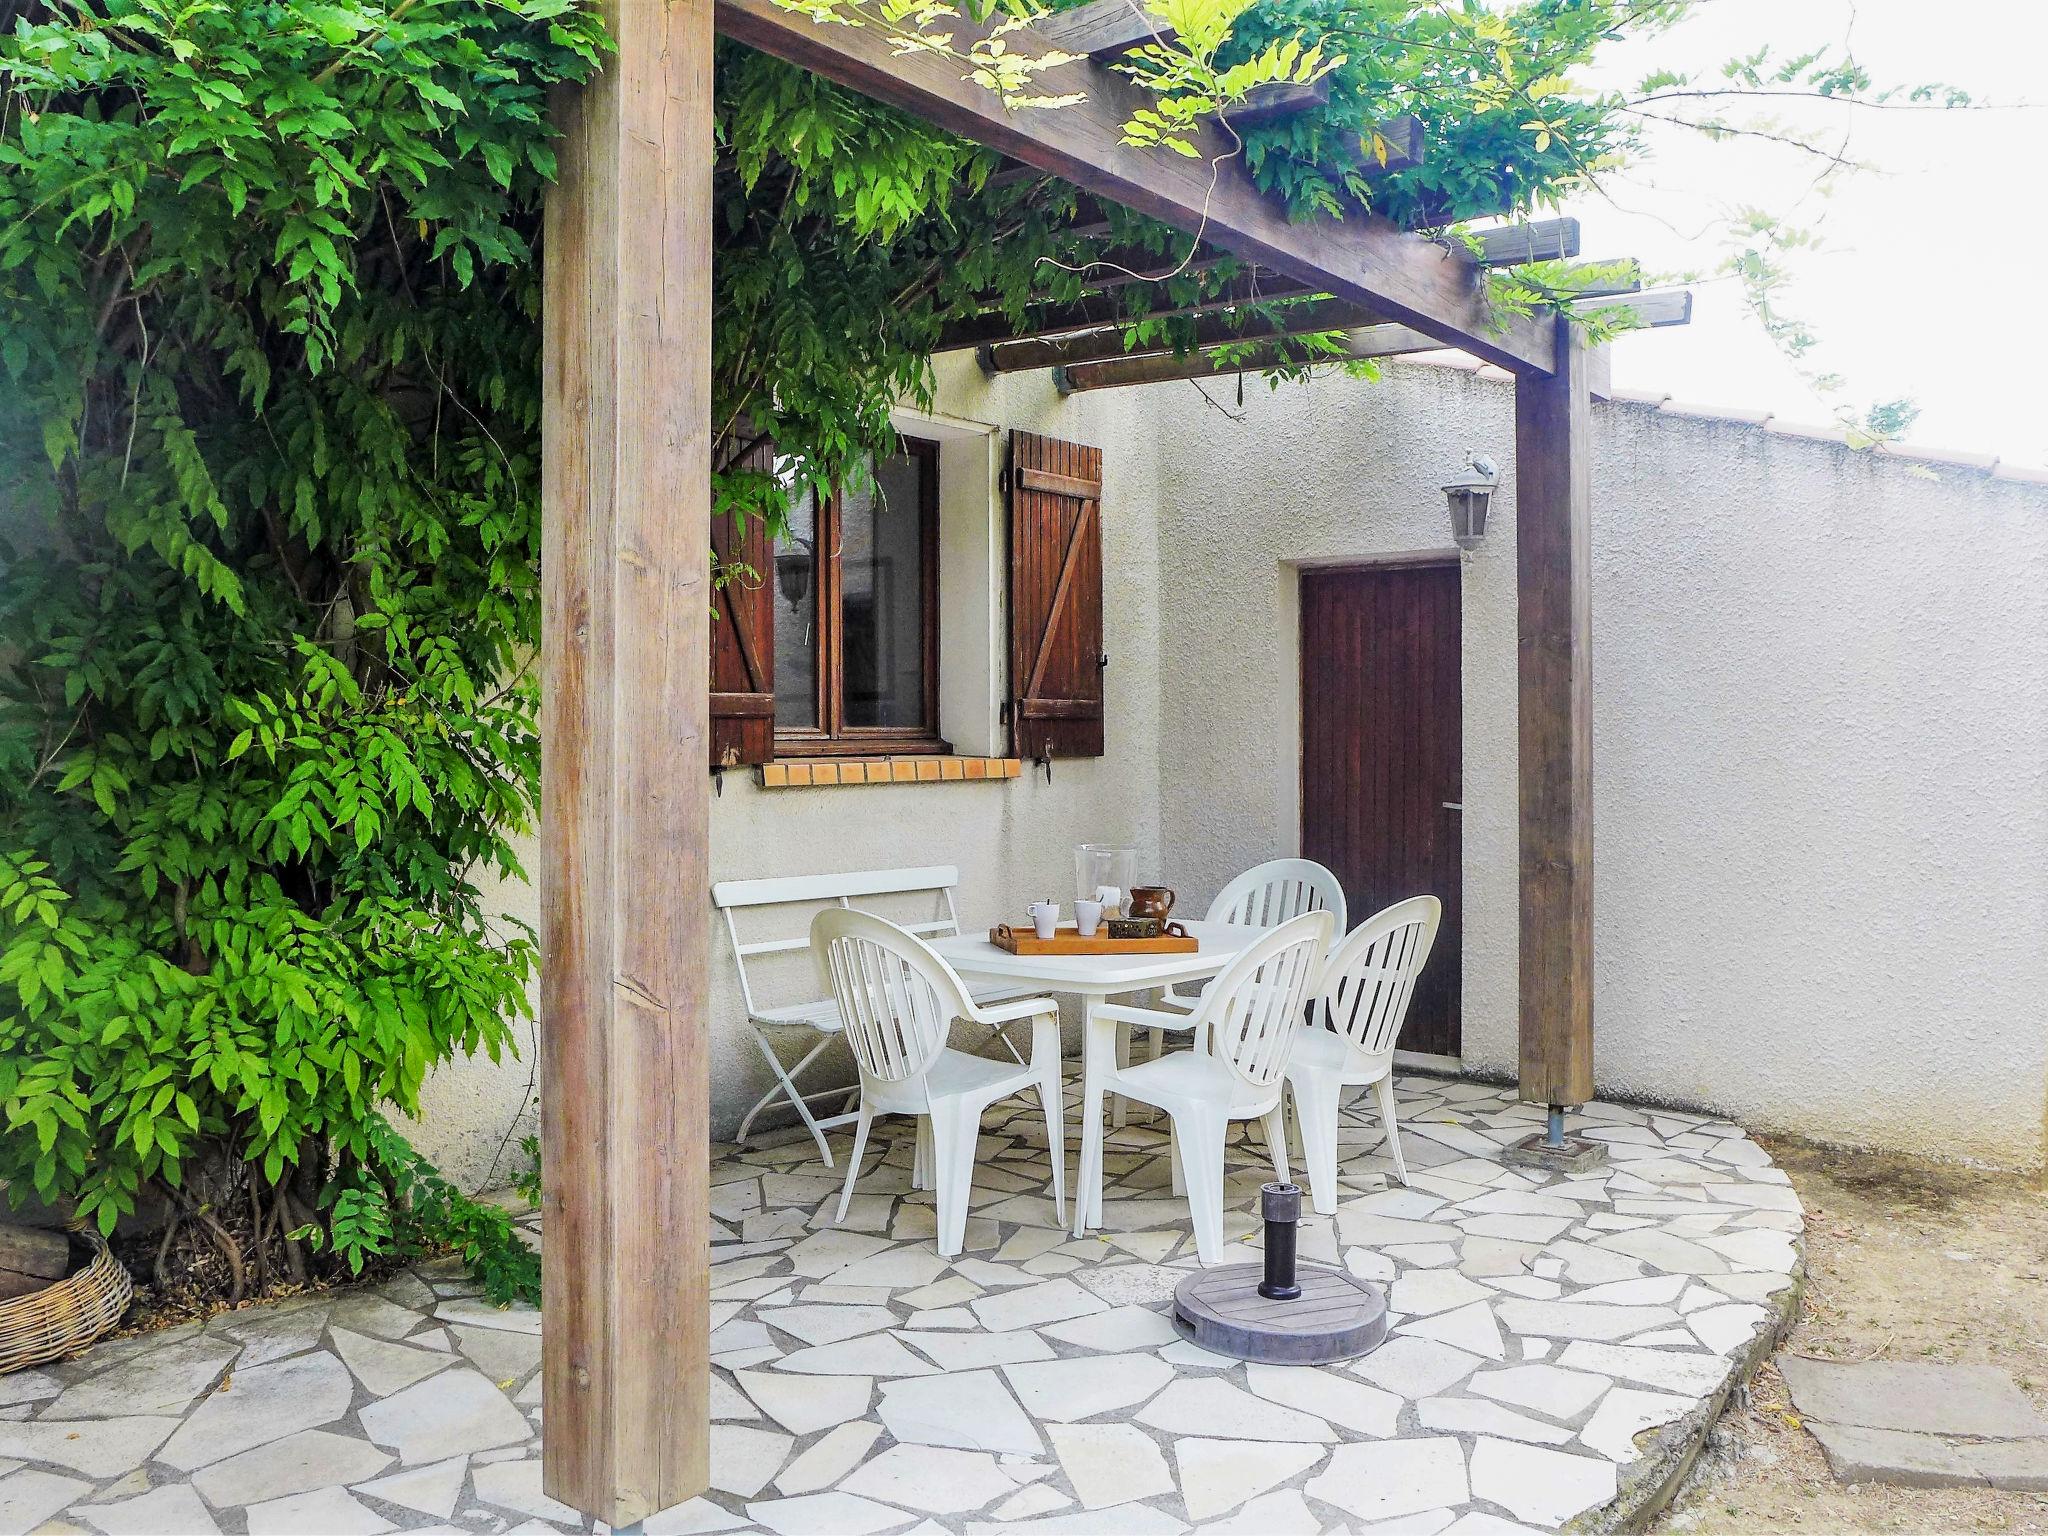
x=821 y=1016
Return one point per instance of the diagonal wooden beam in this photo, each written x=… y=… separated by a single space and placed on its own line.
x=1401 y=148
x=1364 y=258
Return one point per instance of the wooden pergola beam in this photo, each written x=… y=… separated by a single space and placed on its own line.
x=1385 y=340
x=1506 y=246
x=1110 y=343
x=1358 y=340
x=1364 y=258
x=1093 y=311
x=625 y=577
x=1276 y=100
x=1102 y=29
x=1512 y=245
x=1403 y=146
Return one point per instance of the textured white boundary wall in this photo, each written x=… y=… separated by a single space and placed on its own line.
x=1820 y=730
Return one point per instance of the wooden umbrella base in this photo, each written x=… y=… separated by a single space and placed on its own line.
x=1336 y=1317
x=1275 y=1314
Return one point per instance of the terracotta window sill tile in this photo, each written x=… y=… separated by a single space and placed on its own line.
x=817 y=773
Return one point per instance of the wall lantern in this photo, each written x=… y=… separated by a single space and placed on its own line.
x=1469 y=495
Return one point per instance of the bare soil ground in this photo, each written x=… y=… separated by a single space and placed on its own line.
x=1906 y=1260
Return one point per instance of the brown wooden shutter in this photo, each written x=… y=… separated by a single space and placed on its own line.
x=1056 y=659
x=743 y=634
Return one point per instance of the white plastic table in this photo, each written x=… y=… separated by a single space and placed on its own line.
x=1096 y=978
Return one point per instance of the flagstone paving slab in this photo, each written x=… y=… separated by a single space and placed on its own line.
x=455 y=1412
x=832 y=1458
x=263 y=1404
x=1109 y=1464
x=1218 y=1475
x=331 y=1512
x=164 y=1381
x=172 y=1510
x=301 y=1463
x=1549 y=1334
x=96 y=1447
x=31 y=1495
x=1922 y=1396
x=430 y=1490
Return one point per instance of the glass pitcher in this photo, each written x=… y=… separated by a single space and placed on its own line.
x=1104 y=872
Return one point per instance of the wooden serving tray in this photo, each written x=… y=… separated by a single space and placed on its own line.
x=1067 y=940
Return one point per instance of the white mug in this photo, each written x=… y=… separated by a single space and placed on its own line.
x=1087 y=917
x=1045 y=917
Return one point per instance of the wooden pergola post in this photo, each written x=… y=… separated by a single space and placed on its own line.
x=625 y=814
x=1553 y=508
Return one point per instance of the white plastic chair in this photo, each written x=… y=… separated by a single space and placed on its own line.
x=1265 y=896
x=818 y=1018
x=1244 y=1027
x=898 y=1000
x=1366 y=990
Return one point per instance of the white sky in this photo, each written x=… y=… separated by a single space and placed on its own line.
x=1926 y=284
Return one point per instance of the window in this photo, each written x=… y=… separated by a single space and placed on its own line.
x=857 y=615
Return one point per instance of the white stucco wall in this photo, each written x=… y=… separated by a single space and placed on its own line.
x=1820 y=729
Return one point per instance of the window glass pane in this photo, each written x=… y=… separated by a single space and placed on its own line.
x=882 y=569
x=796 y=618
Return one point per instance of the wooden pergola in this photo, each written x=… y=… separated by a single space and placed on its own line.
x=625 y=578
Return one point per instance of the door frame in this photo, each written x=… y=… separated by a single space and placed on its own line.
x=1294 y=571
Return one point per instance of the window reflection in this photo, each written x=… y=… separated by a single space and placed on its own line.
x=796 y=618
x=881 y=551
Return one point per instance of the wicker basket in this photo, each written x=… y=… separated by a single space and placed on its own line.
x=62 y=1319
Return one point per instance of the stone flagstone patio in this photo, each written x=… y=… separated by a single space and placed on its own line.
x=1558 y=1346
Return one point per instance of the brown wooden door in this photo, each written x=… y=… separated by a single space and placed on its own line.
x=1382 y=758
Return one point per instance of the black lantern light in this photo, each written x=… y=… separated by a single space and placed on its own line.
x=1469 y=495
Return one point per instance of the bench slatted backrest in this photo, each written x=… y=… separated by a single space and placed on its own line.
x=732 y=896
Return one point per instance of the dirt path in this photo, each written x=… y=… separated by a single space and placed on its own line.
x=1905 y=1261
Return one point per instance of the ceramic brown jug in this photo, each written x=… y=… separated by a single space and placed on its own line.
x=1151 y=901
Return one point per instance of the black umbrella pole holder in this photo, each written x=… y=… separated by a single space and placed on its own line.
x=1274 y=1311
x=1280 y=1204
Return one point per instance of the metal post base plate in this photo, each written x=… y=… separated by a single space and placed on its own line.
x=1576 y=1155
x=1336 y=1317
